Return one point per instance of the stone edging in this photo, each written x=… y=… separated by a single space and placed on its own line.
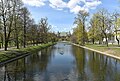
x=103 y=53
x=21 y=56
x=13 y=59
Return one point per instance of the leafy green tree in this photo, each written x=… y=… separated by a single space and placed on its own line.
x=77 y=32
x=80 y=22
x=93 y=29
x=52 y=37
x=95 y=33
x=105 y=23
x=116 y=22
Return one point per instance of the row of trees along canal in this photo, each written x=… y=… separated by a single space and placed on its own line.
x=19 y=29
x=102 y=25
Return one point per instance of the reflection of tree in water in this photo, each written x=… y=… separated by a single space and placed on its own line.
x=79 y=54
x=95 y=67
x=96 y=64
x=102 y=67
x=24 y=69
x=44 y=59
x=14 y=69
x=90 y=67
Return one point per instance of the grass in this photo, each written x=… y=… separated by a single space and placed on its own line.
x=35 y=48
x=112 y=49
x=7 y=55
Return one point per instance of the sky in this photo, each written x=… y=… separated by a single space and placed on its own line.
x=61 y=13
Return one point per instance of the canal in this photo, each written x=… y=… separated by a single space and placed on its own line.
x=62 y=62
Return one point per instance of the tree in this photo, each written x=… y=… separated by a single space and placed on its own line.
x=116 y=20
x=32 y=32
x=17 y=22
x=93 y=30
x=77 y=35
x=52 y=37
x=1 y=35
x=25 y=14
x=105 y=22
x=17 y=27
x=80 y=21
x=7 y=10
x=44 y=28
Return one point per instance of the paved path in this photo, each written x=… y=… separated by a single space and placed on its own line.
x=10 y=48
x=2 y=49
x=104 y=53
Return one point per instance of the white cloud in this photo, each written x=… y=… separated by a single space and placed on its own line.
x=76 y=9
x=58 y=4
x=93 y=4
x=73 y=5
x=37 y=3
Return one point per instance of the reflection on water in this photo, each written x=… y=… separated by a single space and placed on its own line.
x=62 y=62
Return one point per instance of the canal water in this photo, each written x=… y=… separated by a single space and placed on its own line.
x=62 y=62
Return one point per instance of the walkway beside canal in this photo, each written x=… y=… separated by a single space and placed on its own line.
x=104 y=53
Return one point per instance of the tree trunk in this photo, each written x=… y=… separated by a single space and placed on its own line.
x=1 y=44
x=107 y=42
x=17 y=41
x=24 y=42
x=83 y=40
x=106 y=39
x=16 y=34
x=24 y=29
x=6 y=45
x=117 y=38
x=93 y=41
x=33 y=42
x=5 y=38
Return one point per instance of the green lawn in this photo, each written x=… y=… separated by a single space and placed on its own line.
x=6 y=55
x=112 y=49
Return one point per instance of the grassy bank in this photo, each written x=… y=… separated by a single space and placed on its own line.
x=112 y=49
x=8 y=55
x=36 y=48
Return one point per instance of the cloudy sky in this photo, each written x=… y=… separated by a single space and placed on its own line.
x=61 y=13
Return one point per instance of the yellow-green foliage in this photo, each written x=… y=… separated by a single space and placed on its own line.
x=78 y=33
x=94 y=30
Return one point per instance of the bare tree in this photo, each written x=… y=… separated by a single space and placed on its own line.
x=25 y=18
x=17 y=21
x=7 y=10
x=43 y=29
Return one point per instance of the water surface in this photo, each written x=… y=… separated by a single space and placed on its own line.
x=62 y=62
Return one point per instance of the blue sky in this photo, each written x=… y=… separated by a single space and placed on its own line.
x=61 y=13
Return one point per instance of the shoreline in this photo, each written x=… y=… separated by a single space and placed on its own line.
x=103 y=53
x=13 y=59
x=22 y=53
